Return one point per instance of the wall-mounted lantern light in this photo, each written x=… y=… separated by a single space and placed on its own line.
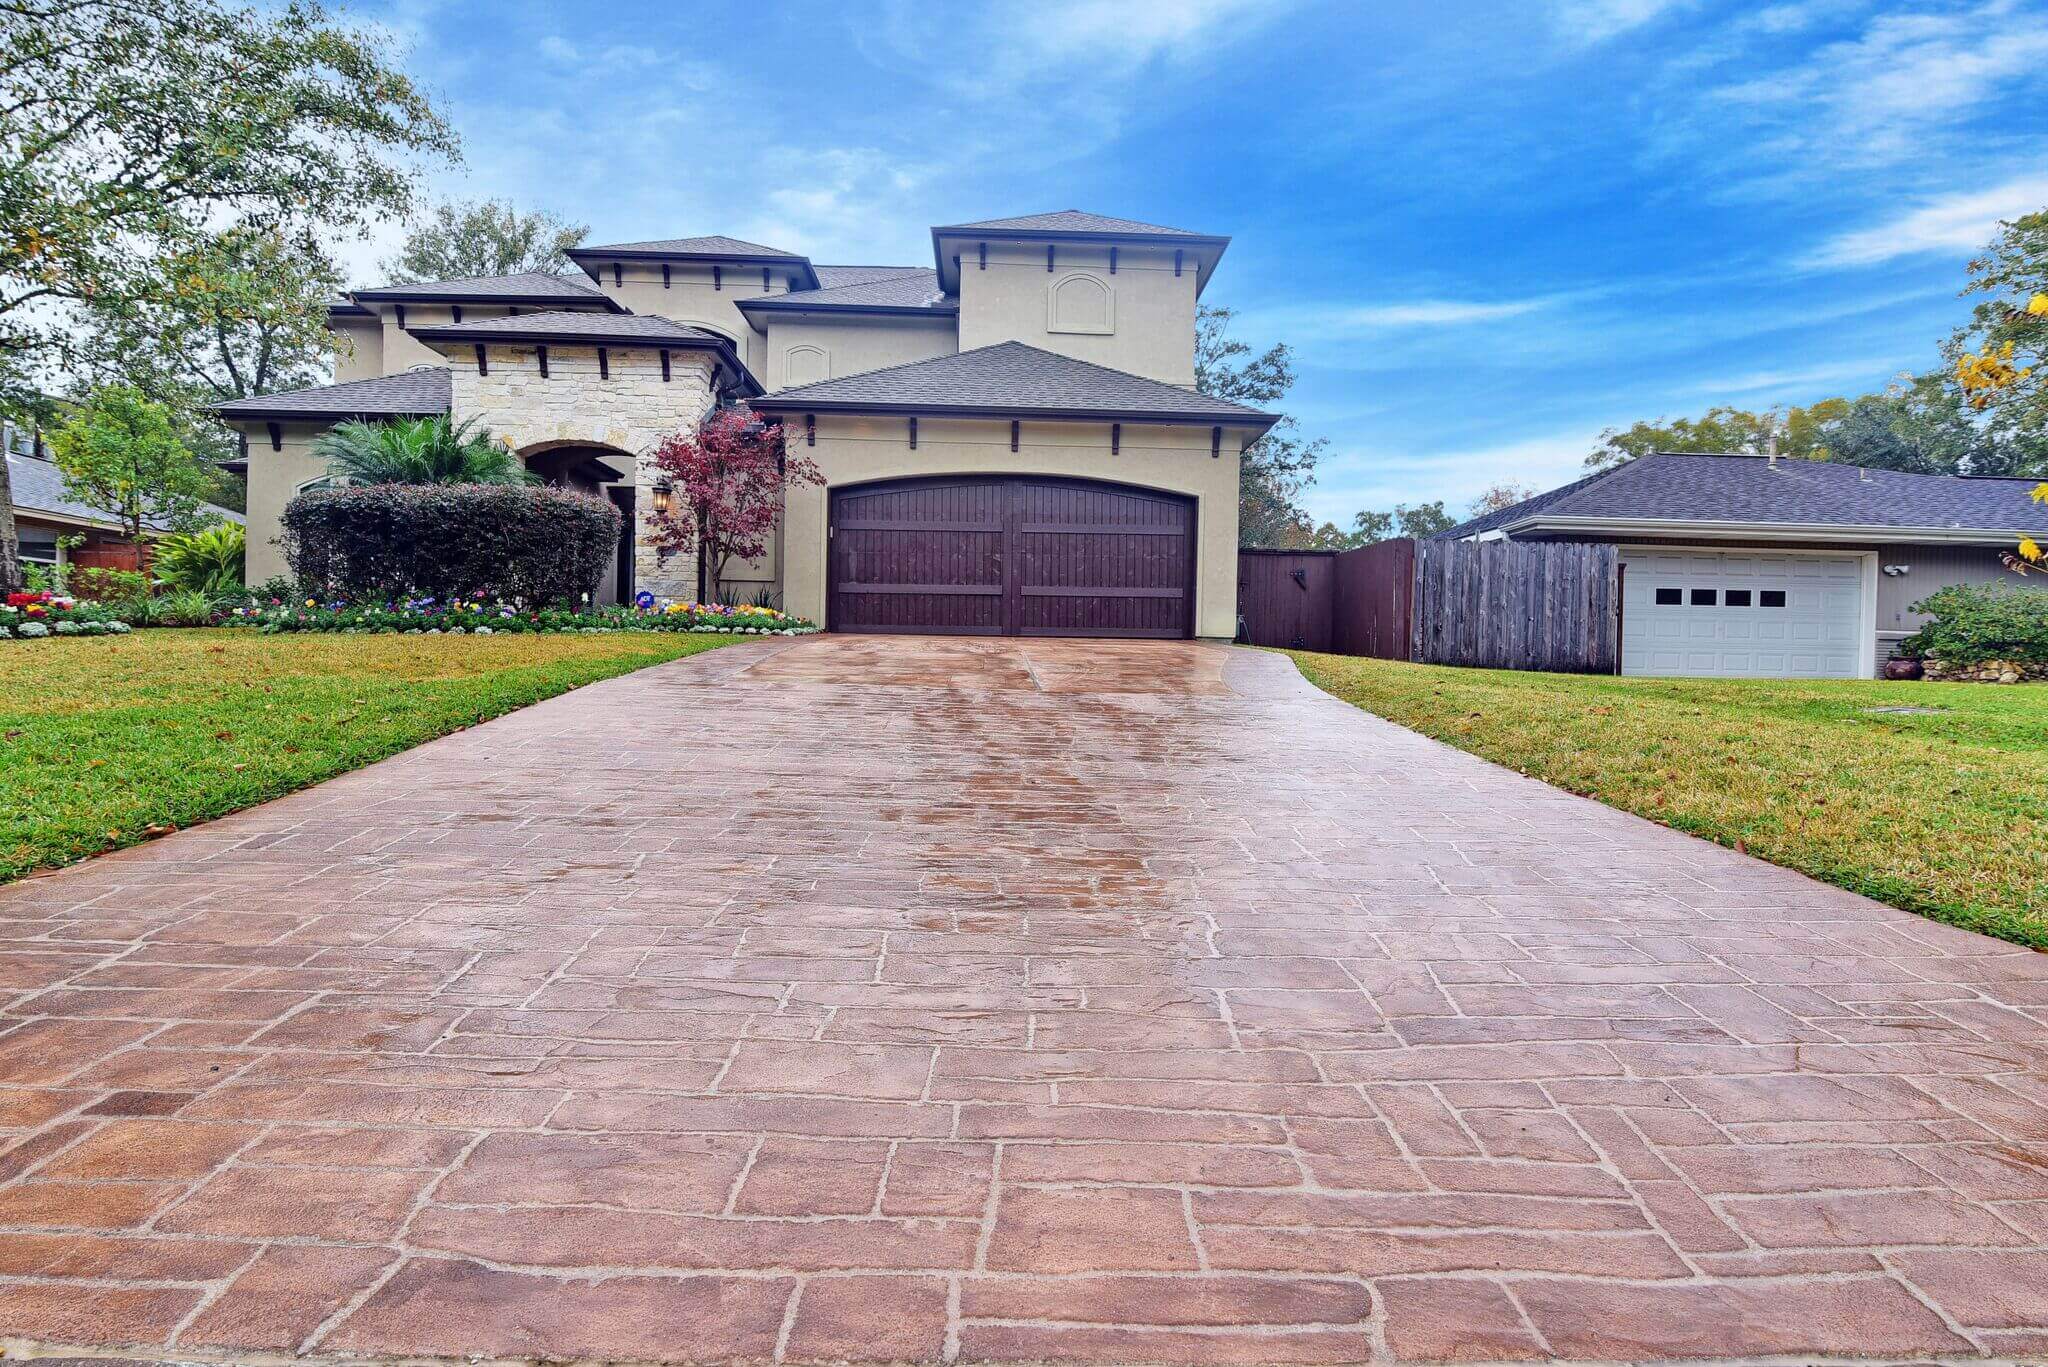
x=664 y=497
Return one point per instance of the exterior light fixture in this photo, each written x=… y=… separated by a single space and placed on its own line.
x=664 y=497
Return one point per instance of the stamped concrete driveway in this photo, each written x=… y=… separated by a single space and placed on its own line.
x=912 y=999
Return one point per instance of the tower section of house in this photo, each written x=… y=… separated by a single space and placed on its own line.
x=1111 y=291
x=1010 y=437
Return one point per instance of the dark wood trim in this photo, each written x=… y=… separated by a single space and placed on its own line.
x=942 y=590
x=810 y=429
x=604 y=364
x=765 y=286
x=1094 y=529
x=984 y=257
x=455 y=313
x=483 y=365
x=1112 y=260
x=717 y=276
x=618 y=274
x=1176 y=263
x=1116 y=438
x=1215 y=443
x=1014 y=426
x=664 y=275
x=913 y=433
x=398 y=314
x=1048 y=258
x=276 y=435
x=542 y=353
x=664 y=365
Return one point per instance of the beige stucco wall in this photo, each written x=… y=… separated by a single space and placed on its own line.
x=851 y=345
x=631 y=412
x=692 y=298
x=1175 y=459
x=359 y=350
x=274 y=477
x=1150 y=315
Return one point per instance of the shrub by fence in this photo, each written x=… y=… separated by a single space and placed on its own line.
x=517 y=542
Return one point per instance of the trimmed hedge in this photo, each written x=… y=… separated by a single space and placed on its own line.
x=519 y=542
x=1975 y=623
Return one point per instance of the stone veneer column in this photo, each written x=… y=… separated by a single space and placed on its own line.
x=630 y=411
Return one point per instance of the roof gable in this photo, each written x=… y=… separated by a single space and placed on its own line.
x=37 y=486
x=1011 y=379
x=912 y=291
x=1067 y=221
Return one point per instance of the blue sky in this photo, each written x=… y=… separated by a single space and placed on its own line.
x=1489 y=229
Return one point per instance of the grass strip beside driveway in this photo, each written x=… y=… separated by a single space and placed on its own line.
x=1939 y=813
x=108 y=741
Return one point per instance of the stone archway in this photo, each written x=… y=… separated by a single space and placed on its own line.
x=606 y=472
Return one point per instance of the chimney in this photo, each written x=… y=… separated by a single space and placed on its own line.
x=1771 y=447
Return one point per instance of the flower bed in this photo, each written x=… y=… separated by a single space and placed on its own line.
x=32 y=616
x=478 y=617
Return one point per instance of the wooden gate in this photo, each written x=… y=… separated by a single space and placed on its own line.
x=1518 y=605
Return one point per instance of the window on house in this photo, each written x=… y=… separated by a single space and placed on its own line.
x=38 y=545
x=1703 y=598
x=1771 y=598
x=1736 y=598
x=1670 y=598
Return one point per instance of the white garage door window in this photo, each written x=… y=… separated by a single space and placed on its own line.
x=1742 y=614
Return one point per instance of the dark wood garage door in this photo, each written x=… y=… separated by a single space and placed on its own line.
x=1012 y=557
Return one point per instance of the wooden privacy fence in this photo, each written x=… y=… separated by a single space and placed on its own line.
x=1518 y=605
x=1488 y=604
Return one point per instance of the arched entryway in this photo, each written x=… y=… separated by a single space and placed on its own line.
x=1012 y=555
x=604 y=471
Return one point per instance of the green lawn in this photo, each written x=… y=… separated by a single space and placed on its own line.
x=110 y=740
x=1942 y=814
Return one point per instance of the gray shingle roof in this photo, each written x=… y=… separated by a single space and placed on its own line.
x=1672 y=487
x=1007 y=379
x=523 y=287
x=561 y=325
x=407 y=394
x=714 y=245
x=38 y=487
x=832 y=277
x=1065 y=221
x=915 y=289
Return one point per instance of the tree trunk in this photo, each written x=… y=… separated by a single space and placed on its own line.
x=10 y=560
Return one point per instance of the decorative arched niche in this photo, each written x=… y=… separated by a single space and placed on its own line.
x=1080 y=302
x=805 y=365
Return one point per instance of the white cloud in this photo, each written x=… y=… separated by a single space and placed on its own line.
x=1437 y=312
x=1376 y=479
x=1958 y=223
x=1585 y=22
x=1128 y=32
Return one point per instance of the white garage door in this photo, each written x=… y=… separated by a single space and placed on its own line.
x=1743 y=614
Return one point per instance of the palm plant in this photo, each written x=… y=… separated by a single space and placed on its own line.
x=209 y=561
x=418 y=451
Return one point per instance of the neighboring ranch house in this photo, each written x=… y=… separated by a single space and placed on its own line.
x=51 y=528
x=1761 y=566
x=1011 y=437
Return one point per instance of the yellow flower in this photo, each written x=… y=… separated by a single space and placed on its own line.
x=2041 y=493
x=2038 y=305
x=2030 y=550
x=309 y=602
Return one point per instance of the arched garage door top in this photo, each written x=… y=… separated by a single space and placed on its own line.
x=1012 y=556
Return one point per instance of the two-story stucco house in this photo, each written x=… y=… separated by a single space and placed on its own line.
x=1011 y=438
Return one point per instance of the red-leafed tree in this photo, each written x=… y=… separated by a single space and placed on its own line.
x=725 y=484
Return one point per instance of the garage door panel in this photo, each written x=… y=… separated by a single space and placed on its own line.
x=1012 y=556
x=1743 y=613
